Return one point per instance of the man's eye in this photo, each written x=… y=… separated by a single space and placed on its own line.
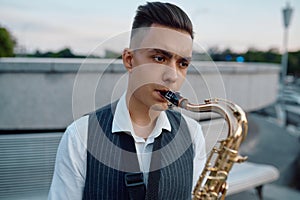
x=159 y=58
x=184 y=64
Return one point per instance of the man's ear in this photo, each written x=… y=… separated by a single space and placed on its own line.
x=127 y=58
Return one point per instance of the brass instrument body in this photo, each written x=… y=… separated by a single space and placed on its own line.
x=215 y=175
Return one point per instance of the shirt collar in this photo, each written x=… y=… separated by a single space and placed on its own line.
x=122 y=121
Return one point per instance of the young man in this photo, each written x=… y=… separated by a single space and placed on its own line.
x=135 y=148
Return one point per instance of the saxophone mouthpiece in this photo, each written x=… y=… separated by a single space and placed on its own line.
x=173 y=97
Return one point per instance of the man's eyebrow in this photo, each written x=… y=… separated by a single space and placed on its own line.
x=168 y=54
x=161 y=51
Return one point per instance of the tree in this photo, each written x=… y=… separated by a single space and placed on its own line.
x=7 y=43
x=64 y=53
x=294 y=63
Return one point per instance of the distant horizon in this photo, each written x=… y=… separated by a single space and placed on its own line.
x=53 y=25
x=120 y=51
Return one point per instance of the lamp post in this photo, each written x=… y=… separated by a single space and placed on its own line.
x=287 y=14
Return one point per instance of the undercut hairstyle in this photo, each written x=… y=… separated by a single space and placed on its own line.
x=165 y=14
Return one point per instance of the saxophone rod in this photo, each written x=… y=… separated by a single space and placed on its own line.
x=176 y=99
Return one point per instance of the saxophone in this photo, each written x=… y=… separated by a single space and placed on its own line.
x=225 y=153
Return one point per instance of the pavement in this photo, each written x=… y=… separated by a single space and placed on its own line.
x=270 y=192
x=271 y=144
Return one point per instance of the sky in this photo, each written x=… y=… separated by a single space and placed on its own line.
x=51 y=25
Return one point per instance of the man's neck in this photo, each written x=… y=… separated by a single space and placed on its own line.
x=142 y=117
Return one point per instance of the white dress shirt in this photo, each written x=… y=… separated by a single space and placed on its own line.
x=70 y=166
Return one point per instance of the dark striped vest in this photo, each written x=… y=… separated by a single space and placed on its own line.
x=107 y=162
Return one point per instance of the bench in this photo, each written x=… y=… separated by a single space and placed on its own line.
x=248 y=175
x=27 y=163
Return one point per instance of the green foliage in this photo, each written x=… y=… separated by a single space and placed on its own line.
x=271 y=56
x=64 y=53
x=294 y=63
x=7 y=43
x=254 y=55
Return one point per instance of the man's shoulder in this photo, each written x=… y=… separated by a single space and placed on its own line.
x=76 y=132
x=78 y=124
x=106 y=108
x=79 y=127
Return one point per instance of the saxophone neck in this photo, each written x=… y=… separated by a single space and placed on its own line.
x=232 y=113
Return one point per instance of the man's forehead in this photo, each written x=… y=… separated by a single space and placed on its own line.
x=171 y=40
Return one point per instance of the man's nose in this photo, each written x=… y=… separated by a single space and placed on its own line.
x=170 y=74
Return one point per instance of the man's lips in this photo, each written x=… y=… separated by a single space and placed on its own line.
x=161 y=93
x=162 y=89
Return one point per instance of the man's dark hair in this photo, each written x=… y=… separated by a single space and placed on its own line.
x=165 y=14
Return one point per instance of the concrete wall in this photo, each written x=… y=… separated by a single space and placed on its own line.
x=51 y=93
